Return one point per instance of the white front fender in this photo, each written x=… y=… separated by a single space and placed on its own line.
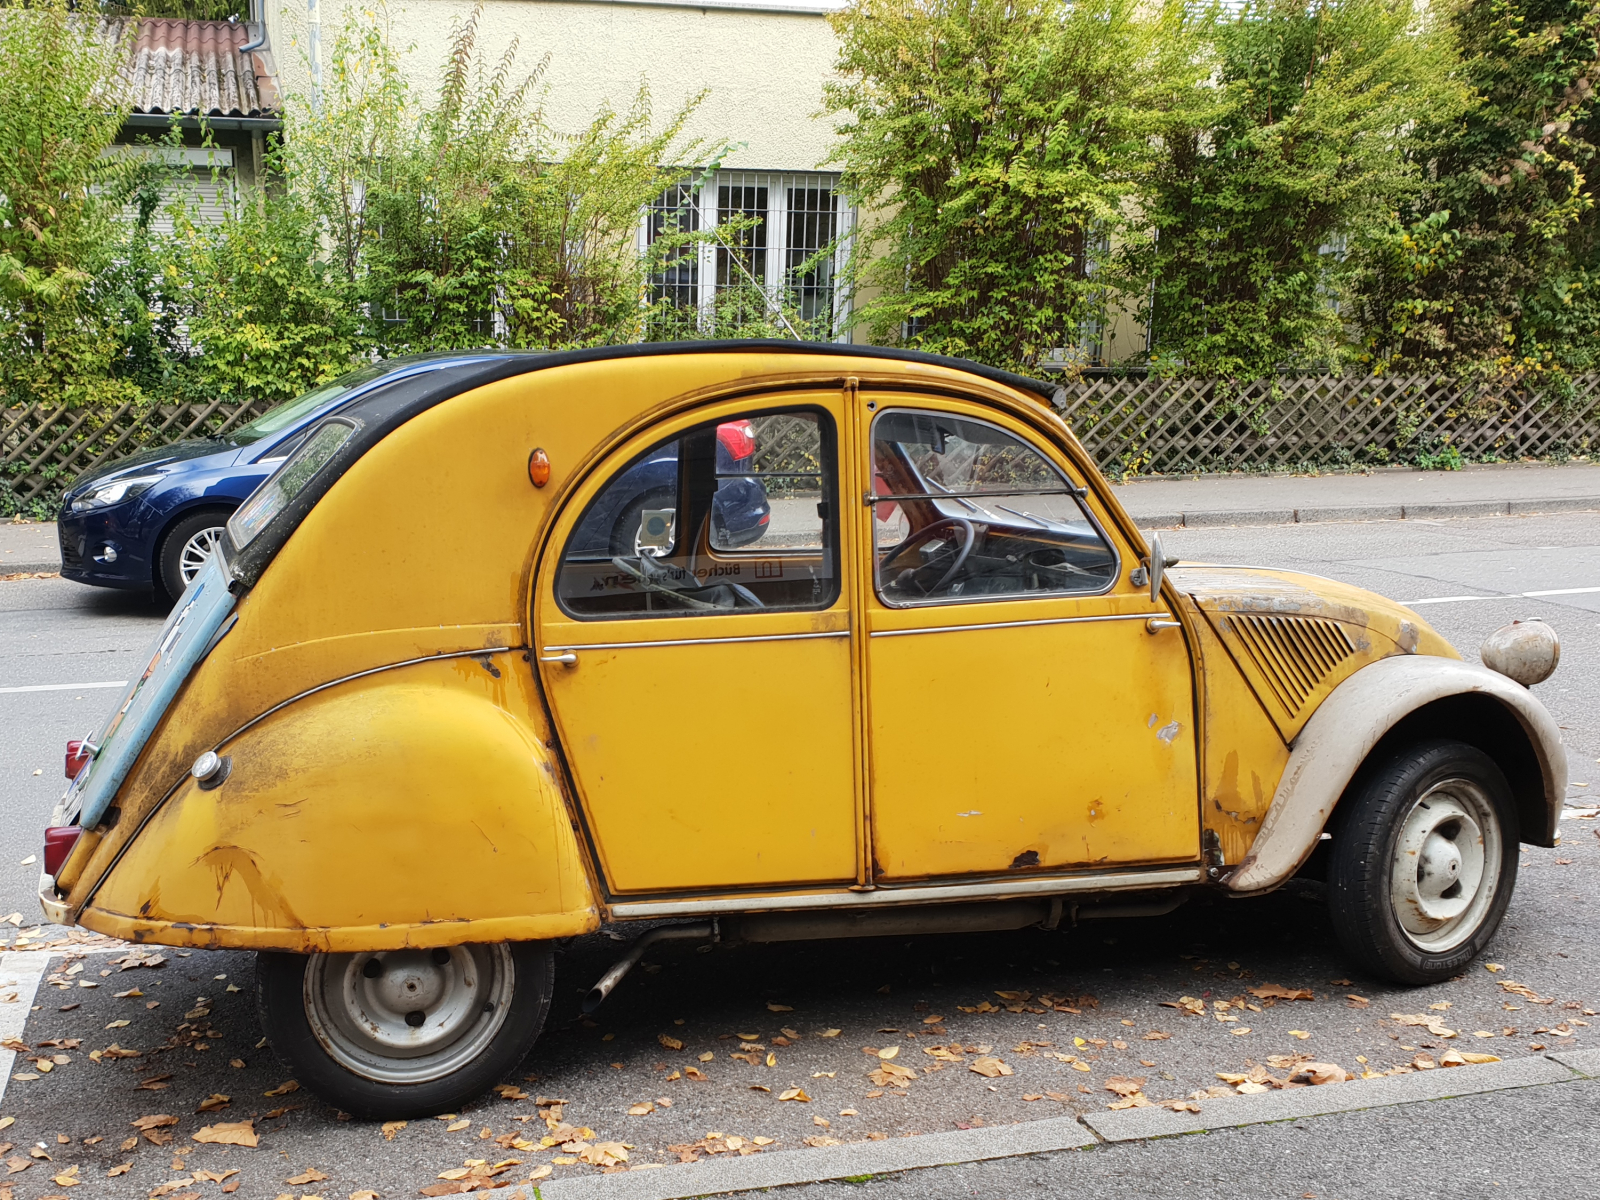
x=1354 y=719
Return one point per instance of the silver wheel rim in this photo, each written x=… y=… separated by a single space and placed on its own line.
x=409 y=1016
x=196 y=551
x=1446 y=868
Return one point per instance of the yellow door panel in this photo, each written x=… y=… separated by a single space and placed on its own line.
x=1023 y=716
x=699 y=661
x=1060 y=745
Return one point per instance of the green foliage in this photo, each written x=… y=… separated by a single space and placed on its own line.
x=59 y=108
x=1490 y=270
x=998 y=144
x=1294 y=148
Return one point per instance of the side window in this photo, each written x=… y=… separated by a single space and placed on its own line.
x=970 y=512
x=734 y=514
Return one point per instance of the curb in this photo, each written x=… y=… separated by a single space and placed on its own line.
x=1211 y=518
x=857 y=1160
x=26 y=568
x=849 y=1161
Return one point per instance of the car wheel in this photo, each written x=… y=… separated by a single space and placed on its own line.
x=625 y=530
x=1424 y=860
x=403 y=1033
x=186 y=547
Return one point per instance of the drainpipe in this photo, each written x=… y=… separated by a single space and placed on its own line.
x=258 y=146
x=314 y=36
x=259 y=17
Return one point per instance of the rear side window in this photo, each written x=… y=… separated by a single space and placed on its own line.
x=733 y=515
x=971 y=512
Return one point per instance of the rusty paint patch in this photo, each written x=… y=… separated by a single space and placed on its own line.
x=1028 y=858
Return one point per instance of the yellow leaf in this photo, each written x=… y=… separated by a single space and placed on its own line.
x=794 y=1094
x=284 y=1088
x=889 y=1052
x=671 y=1043
x=830 y=1033
x=390 y=1128
x=539 y=1172
x=123 y=1023
x=643 y=1109
x=458 y=1126
x=1492 y=967
x=230 y=1133
x=1299 y=1033
x=772 y=1060
x=707 y=1056
x=780 y=1008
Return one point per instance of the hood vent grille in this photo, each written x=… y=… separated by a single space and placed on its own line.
x=1294 y=654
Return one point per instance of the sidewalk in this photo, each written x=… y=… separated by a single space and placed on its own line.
x=1389 y=494
x=1386 y=494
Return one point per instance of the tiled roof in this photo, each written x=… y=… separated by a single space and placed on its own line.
x=195 y=68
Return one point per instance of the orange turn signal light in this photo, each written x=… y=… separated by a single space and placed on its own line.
x=539 y=468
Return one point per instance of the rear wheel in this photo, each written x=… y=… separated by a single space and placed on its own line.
x=1424 y=861
x=403 y=1033
x=186 y=547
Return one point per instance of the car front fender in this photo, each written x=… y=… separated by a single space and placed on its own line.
x=1392 y=696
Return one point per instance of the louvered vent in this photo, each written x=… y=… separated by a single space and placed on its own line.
x=1295 y=654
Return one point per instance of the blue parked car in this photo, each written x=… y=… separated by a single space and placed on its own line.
x=152 y=519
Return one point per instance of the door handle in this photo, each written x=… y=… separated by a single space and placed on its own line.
x=566 y=658
x=1157 y=624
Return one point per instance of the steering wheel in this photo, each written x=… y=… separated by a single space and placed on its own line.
x=969 y=535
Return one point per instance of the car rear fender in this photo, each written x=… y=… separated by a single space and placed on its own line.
x=410 y=808
x=1386 y=703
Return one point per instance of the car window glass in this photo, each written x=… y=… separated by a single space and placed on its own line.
x=735 y=514
x=972 y=512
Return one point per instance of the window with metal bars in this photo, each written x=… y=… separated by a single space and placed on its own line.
x=775 y=251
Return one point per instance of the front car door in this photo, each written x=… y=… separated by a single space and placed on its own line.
x=696 y=650
x=1024 y=716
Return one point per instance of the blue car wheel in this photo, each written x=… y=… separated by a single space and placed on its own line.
x=186 y=547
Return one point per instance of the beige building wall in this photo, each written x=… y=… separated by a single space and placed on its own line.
x=763 y=66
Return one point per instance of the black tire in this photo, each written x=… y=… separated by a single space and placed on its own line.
x=625 y=530
x=1382 y=914
x=169 y=565
x=282 y=999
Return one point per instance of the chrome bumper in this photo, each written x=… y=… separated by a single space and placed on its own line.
x=55 y=908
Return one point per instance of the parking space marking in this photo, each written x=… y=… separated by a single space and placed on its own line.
x=1579 y=591
x=66 y=687
x=21 y=972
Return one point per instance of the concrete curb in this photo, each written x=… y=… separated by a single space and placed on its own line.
x=1135 y=1124
x=1366 y=512
x=836 y=1162
x=859 y=1159
x=26 y=568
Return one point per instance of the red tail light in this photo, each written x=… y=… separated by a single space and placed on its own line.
x=738 y=438
x=58 y=843
x=77 y=757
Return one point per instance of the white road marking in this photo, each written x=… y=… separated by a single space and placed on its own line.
x=20 y=973
x=1503 y=596
x=77 y=687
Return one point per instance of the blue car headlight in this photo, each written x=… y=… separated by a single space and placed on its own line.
x=114 y=491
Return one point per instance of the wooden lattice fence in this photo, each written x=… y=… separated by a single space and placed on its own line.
x=1131 y=425
x=1144 y=425
x=43 y=449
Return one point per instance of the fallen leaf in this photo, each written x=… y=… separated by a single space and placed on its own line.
x=819 y=1140
x=230 y=1133
x=794 y=1094
x=1492 y=967
x=830 y=1033
x=1478 y=1059
x=213 y=1102
x=121 y=1023
x=779 y=1007
x=989 y=1067
x=68 y=1177
x=1155 y=1035
x=309 y=1175
x=284 y=1088
x=1192 y=1005
x=1122 y=1085
x=369 y=1194
x=1302 y=1034
x=1273 y=991
x=1319 y=1073
x=458 y=1126
x=671 y=1043
x=119 y=1169
x=888 y=1052
x=1422 y=1020
x=539 y=1172
x=390 y=1128
x=643 y=1109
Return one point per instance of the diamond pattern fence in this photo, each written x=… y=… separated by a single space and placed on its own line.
x=1131 y=425
x=1136 y=426
x=43 y=448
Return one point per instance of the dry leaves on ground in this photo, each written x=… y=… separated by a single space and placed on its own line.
x=230 y=1133
x=988 y=1066
x=477 y=1174
x=719 y=1143
x=1273 y=991
x=889 y=1074
x=794 y=1094
x=284 y=1088
x=213 y=1102
x=1424 y=1021
x=309 y=1175
x=670 y=1042
x=819 y=1140
x=1192 y=1005
x=390 y=1128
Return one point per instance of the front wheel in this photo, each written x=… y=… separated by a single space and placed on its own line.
x=1424 y=860
x=402 y=1033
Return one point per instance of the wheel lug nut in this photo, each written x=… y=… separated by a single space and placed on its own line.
x=441 y=957
x=415 y=1018
x=372 y=968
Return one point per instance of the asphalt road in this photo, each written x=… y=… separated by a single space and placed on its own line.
x=880 y=993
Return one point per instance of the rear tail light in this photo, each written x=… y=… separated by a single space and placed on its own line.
x=78 y=755
x=738 y=438
x=58 y=843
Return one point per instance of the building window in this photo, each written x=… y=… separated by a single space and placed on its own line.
x=778 y=245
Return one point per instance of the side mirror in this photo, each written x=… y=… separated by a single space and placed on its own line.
x=1158 y=567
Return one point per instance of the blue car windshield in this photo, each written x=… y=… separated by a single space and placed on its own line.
x=277 y=419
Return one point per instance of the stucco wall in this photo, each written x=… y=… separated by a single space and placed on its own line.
x=764 y=70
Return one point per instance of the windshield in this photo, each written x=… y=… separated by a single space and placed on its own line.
x=277 y=419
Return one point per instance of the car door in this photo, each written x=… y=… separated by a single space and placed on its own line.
x=694 y=629
x=1024 y=715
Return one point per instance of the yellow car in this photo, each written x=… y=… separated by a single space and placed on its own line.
x=459 y=685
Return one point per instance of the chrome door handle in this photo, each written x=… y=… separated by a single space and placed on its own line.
x=566 y=657
x=1157 y=624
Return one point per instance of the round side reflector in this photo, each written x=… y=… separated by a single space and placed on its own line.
x=539 y=468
